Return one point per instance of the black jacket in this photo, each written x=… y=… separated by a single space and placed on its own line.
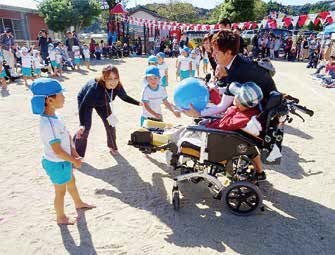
x=243 y=70
x=93 y=95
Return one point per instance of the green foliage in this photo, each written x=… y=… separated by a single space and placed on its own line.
x=84 y=12
x=176 y=11
x=57 y=14
x=61 y=14
x=238 y=10
x=260 y=10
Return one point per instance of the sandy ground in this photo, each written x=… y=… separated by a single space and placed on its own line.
x=132 y=192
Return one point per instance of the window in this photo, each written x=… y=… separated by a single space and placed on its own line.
x=14 y=25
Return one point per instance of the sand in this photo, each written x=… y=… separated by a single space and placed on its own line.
x=132 y=192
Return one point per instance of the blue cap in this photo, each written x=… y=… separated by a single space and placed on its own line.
x=42 y=88
x=187 y=49
x=51 y=45
x=193 y=52
x=152 y=59
x=152 y=71
x=161 y=54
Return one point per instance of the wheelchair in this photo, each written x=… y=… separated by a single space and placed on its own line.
x=223 y=159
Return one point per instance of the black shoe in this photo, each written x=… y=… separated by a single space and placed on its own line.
x=261 y=176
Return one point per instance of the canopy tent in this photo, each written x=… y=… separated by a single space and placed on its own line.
x=118 y=9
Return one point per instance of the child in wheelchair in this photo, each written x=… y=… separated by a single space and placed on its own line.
x=239 y=117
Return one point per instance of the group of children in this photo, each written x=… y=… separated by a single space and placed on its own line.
x=188 y=63
x=31 y=63
x=59 y=56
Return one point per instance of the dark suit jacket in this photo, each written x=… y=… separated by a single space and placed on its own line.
x=243 y=70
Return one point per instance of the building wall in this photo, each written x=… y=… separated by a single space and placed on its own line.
x=27 y=24
x=143 y=15
x=5 y=14
x=35 y=24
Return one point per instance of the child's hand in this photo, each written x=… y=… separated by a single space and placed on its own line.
x=77 y=163
x=177 y=114
x=80 y=132
x=158 y=116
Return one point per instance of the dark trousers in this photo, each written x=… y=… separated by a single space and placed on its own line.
x=81 y=143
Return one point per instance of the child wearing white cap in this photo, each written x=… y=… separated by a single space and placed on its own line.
x=76 y=52
x=37 y=63
x=26 y=59
x=59 y=154
x=86 y=52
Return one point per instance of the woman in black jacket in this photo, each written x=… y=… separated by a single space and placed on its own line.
x=98 y=94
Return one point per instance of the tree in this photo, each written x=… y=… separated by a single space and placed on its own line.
x=238 y=10
x=61 y=14
x=260 y=9
x=84 y=12
x=57 y=14
x=176 y=11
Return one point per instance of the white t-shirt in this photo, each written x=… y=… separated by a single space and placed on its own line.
x=37 y=63
x=59 y=58
x=206 y=55
x=155 y=99
x=194 y=63
x=52 y=55
x=198 y=59
x=76 y=51
x=162 y=69
x=86 y=53
x=26 y=60
x=52 y=129
x=184 y=63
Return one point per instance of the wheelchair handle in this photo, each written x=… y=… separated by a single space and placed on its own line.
x=304 y=109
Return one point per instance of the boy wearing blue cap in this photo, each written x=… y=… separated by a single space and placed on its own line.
x=152 y=60
x=163 y=69
x=153 y=96
x=59 y=153
x=184 y=64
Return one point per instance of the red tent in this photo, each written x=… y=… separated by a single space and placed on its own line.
x=118 y=9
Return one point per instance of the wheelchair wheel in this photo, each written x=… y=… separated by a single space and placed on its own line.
x=242 y=198
x=175 y=200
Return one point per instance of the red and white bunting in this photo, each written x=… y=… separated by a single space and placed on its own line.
x=326 y=17
x=312 y=17
x=295 y=20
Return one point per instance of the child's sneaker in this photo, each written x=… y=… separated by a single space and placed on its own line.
x=261 y=176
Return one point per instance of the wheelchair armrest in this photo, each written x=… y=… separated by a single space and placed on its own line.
x=240 y=133
x=209 y=130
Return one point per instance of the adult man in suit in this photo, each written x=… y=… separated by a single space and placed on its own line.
x=226 y=45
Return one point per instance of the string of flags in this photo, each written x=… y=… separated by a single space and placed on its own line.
x=325 y=18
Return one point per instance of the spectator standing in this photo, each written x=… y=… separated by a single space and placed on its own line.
x=7 y=44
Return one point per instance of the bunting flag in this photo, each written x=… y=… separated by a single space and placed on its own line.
x=287 y=21
x=295 y=20
x=312 y=17
x=302 y=20
x=326 y=17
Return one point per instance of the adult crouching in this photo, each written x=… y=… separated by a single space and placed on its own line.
x=99 y=94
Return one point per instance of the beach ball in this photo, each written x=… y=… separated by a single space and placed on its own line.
x=191 y=91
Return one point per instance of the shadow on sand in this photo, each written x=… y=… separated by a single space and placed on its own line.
x=299 y=226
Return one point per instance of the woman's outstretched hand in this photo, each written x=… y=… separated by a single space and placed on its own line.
x=192 y=112
x=80 y=132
